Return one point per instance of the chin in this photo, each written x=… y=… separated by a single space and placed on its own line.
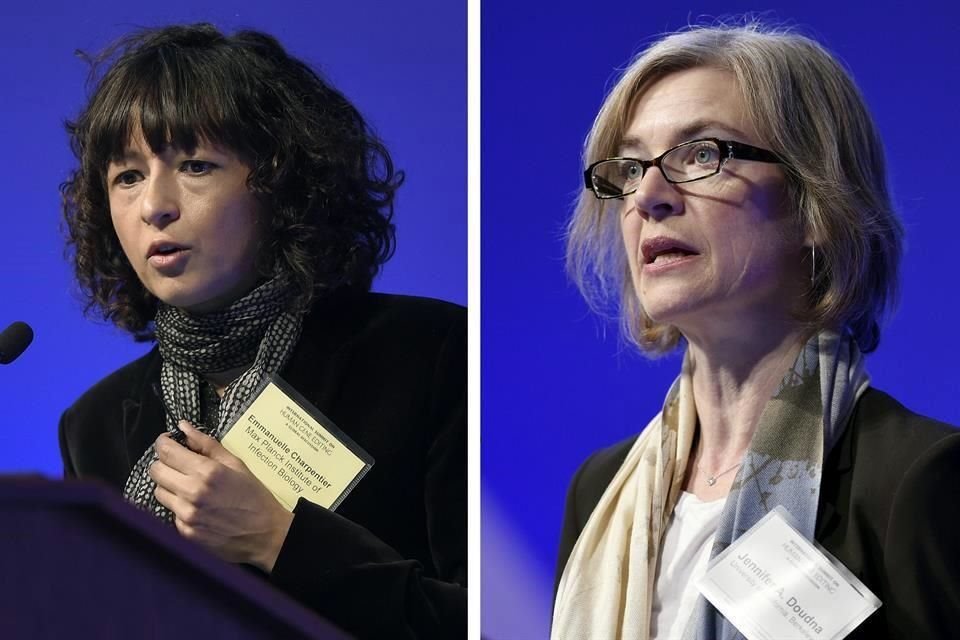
x=189 y=299
x=670 y=307
x=200 y=296
x=181 y=301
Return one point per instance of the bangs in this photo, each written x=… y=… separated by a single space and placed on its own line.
x=174 y=97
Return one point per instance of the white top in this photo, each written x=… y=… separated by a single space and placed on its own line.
x=683 y=560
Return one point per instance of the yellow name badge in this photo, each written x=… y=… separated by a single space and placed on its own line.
x=295 y=450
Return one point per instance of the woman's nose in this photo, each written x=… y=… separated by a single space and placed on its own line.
x=160 y=205
x=655 y=197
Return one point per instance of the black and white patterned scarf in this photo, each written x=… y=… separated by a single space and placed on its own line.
x=259 y=330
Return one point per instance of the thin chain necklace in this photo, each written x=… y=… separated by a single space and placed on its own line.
x=712 y=480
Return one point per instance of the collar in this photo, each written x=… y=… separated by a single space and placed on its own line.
x=143 y=413
x=836 y=467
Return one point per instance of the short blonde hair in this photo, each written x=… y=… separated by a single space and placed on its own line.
x=808 y=110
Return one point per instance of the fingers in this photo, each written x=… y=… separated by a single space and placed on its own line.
x=187 y=474
x=177 y=456
x=216 y=501
x=205 y=445
x=170 y=479
x=195 y=475
x=190 y=498
x=188 y=519
x=182 y=509
x=192 y=520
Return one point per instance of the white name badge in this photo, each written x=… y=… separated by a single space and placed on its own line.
x=295 y=450
x=773 y=584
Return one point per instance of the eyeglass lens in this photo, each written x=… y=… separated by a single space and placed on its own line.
x=684 y=163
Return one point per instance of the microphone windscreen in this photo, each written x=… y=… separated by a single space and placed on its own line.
x=14 y=340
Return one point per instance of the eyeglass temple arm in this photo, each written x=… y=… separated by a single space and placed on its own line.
x=749 y=152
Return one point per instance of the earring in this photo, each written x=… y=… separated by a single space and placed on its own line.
x=813 y=265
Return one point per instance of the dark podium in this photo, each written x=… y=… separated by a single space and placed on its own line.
x=76 y=561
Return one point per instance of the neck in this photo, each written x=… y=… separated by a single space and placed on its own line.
x=733 y=378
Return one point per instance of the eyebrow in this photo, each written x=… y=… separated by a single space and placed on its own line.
x=686 y=133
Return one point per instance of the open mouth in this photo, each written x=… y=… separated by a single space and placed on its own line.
x=668 y=256
x=164 y=249
x=661 y=250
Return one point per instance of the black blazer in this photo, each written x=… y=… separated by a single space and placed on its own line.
x=889 y=510
x=390 y=371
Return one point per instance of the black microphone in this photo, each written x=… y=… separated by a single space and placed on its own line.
x=14 y=340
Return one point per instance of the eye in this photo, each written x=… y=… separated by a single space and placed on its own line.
x=197 y=167
x=127 y=178
x=705 y=154
x=631 y=170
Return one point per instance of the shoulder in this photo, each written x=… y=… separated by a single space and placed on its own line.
x=883 y=444
x=891 y=438
x=393 y=305
x=381 y=315
x=600 y=467
x=895 y=419
x=403 y=306
x=91 y=431
x=413 y=314
x=918 y=452
x=126 y=382
x=409 y=349
x=906 y=477
x=389 y=334
x=593 y=476
x=586 y=488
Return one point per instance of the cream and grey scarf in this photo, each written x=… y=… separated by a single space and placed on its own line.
x=259 y=330
x=606 y=590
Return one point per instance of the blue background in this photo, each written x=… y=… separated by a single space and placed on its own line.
x=557 y=382
x=402 y=64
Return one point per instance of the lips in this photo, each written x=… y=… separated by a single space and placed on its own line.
x=662 y=248
x=164 y=248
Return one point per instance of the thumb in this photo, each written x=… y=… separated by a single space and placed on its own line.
x=203 y=444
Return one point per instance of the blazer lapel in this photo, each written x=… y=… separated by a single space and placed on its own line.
x=143 y=416
x=833 y=498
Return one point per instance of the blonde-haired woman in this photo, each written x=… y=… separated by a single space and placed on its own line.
x=736 y=202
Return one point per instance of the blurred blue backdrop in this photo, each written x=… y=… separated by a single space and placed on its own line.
x=402 y=64
x=557 y=383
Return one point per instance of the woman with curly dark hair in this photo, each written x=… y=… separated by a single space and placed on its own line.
x=235 y=208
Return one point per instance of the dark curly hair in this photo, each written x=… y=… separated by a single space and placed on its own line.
x=325 y=181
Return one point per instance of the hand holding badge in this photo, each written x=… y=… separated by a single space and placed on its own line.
x=235 y=496
x=295 y=450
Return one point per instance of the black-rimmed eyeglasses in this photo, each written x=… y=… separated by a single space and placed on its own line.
x=686 y=162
